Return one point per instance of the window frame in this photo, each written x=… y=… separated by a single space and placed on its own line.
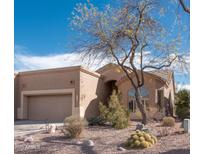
x=156 y=98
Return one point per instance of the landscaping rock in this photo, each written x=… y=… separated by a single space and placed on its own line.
x=52 y=129
x=106 y=140
x=28 y=139
x=145 y=130
x=139 y=126
x=79 y=142
x=89 y=143
x=121 y=149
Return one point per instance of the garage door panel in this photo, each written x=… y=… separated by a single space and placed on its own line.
x=51 y=107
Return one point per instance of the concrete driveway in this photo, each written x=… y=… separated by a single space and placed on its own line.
x=26 y=127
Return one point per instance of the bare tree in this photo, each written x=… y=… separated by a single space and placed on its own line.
x=131 y=34
x=183 y=5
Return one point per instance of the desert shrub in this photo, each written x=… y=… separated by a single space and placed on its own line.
x=73 y=126
x=158 y=116
x=140 y=139
x=96 y=121
x=103 y=111
x=168 y=121
x=116 y=114
x=138 y=115
x=183 y=104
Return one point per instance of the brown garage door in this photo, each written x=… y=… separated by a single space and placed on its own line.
x=51 y=107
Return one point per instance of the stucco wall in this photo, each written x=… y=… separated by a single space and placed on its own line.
x=48 y=80
x=150 y=83
x=16 y=87
x=90 y=95
x=112 y=74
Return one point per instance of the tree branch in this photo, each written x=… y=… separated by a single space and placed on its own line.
x=162 y=66
x=132 y=50
x=141 y=64
x=139 y=22
x=186 y=9
x=123 y=68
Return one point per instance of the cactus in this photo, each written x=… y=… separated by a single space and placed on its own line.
x=140 y=139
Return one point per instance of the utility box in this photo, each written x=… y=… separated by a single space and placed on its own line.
x=186 y=125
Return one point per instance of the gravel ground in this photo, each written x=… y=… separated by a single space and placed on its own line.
x=106 y=139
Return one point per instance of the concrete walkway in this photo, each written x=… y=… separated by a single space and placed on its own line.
x=26 y=127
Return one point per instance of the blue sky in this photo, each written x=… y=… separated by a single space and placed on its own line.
x=42 y=25
x=43 y=38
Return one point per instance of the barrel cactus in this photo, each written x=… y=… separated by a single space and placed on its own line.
x=141 y=139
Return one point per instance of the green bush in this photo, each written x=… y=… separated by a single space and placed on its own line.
x=140 y=139
x=103 y=111
x=115 y=113
x=96 y=121
x=168 y=121
x=73 y=126
x=183 y=104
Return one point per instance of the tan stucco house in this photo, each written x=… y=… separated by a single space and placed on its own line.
x=53 y=94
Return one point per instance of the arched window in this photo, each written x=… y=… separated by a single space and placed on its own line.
x=132 y=103
x=143 y=90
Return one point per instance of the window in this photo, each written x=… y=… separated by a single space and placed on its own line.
x=143 y=90
x=132 y=106
x=144 y=96
x=145 y=103
x=159 y=98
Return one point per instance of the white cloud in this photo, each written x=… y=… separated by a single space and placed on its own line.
x=183 y=86
x=25 y=62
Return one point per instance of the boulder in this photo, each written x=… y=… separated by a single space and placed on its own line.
x=139 y=126
x=145 y=130
x=79 y=142
x=89 y=143
x=28 y=139
x=52 y=129
x=121 y=149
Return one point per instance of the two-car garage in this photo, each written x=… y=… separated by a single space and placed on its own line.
x=49 y=107
x=54 y=94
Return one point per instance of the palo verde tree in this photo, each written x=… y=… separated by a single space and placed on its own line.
x=131 y=33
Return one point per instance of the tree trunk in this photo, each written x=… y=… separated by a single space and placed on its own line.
x=140 y=106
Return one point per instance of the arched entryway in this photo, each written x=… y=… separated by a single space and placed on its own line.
x=110 y=86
